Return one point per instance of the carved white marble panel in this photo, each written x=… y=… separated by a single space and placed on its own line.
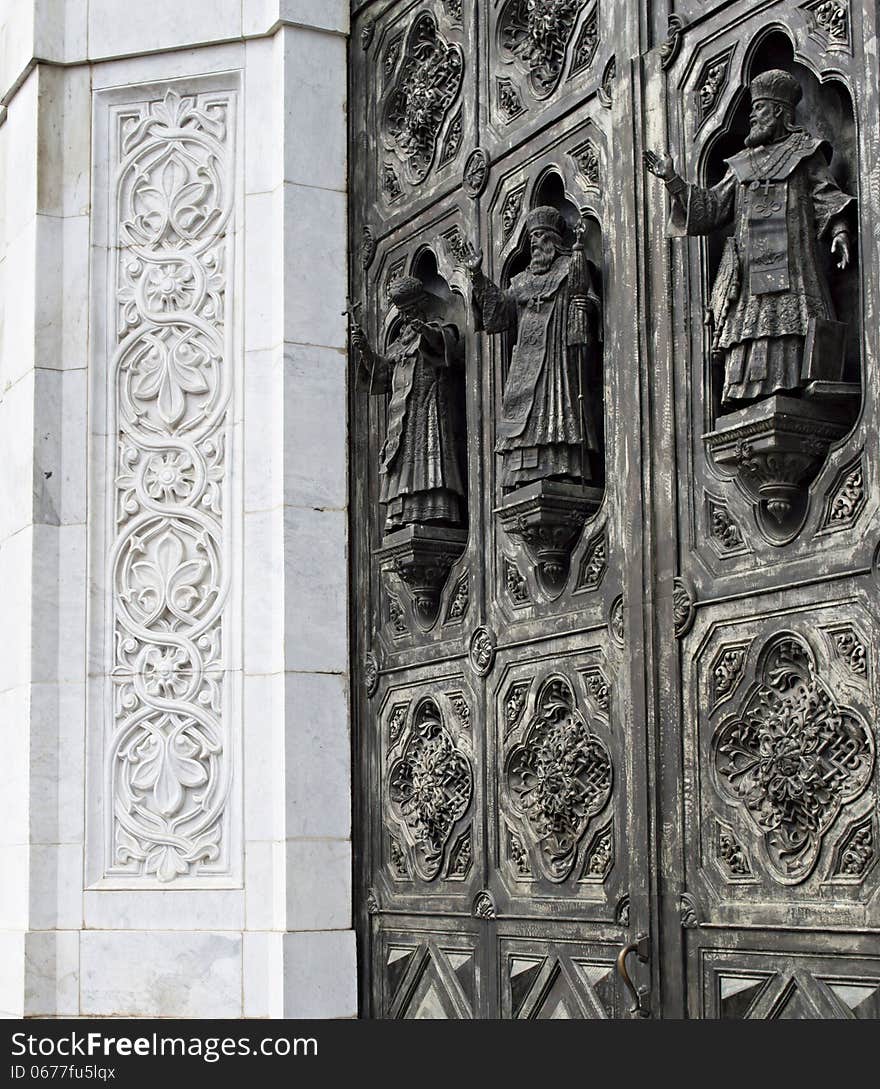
x=163 y=734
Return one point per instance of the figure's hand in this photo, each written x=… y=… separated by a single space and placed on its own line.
x=471 y=258
x=661 y=166
x=359 y=339
x=840 y=250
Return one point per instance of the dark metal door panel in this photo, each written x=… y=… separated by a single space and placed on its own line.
x=768 y=692
x=662 y=721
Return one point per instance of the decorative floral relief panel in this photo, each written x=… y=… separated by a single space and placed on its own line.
x=792 y=758
x=167 y=748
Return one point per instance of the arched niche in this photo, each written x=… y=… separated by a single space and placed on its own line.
x=826 y=110
x=776 y=444
x=549 y=189
x=429 y=421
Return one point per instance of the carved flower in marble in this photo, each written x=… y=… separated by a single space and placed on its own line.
x=430 y=789
x=167 y=671
x=169 y=477
x=428 y=84
x=558 y=778
x=793 y=758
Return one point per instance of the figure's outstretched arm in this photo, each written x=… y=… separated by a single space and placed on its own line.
x=373 y=366
x=694 y=210
x=494 y=308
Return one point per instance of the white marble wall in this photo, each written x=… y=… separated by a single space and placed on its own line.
x=272 y=936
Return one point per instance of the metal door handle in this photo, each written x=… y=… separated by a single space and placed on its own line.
x=641 y=1006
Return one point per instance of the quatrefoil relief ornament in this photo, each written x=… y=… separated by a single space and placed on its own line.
x=792 y=758
x=428 y=85
x=430 y=787
x=558 y=778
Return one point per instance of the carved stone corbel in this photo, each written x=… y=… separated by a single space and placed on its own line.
x=422 y=557
x=774 y=450
x=547 y=517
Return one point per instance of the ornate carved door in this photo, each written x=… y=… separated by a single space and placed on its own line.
x=613 y=639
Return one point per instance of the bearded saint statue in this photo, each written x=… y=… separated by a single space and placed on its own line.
x=770 y=304
x=545 y=430
x=420 y=461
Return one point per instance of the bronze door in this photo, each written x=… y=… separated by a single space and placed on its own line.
x=564 y=650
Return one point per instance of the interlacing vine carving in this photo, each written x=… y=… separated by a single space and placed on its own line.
x=535 y=34
x=792 y=758
x=426 y=88
x=169 y=763
x=558 y=778
x=430 y=789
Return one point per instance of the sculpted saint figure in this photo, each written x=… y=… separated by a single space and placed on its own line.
x=420 y=461
x=770 y=306
x=543 y=432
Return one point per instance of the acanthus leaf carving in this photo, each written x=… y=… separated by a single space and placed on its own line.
x=606 y=88
x=829 y=24
x=676 y=27
x=850 y=648
x=461 y=857
x=534 y=35
x=461 y=708
x=727 y=671
x=847 y=497
x=484 y=906
x=391 y=183
x=586 y=158
x=557 y=778
x=594 y=564
x=371 y=673
x=710 y=85
x=170 y=761
x=683 y=607
x=586 y=43
x=617 y=621
x=396 y=615
x=430 y=787
x=396 y=721
x=724 y=530
x=518 y=855
x=368 y=248
x=792 y=758
x=510 y=212
x=453 y=11
x=515 y=583
x=599 y=689
x=427 y=85
x=515 y=704
x=510 y=104
x=689 y=912
x=458 y=603
x=599 y=857
x=855 y=854
x=454 y=136
x=731 y=854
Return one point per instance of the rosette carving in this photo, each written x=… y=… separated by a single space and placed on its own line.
x=426 y=88
x=557 y=779
x=793 y=758
x=430 y=789
x=535 y=34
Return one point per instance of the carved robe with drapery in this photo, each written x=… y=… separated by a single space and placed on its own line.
x=542 y=432
x=420 y=462
x=770 y=285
